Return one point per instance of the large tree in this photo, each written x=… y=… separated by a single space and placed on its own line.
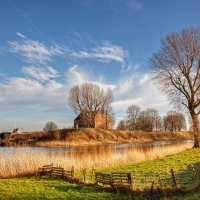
x=174 y=121
x=176 y=69
x=133 y=114
x=50 y=126
x=89 y=99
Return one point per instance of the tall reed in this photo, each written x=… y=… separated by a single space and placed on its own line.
x=25 y=161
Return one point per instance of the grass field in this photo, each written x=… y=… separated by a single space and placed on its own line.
x=45 y=188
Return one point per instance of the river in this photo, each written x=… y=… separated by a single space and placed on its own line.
x=97 y=148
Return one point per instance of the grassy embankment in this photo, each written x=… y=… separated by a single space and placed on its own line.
x=89 y=136
x=43 y=188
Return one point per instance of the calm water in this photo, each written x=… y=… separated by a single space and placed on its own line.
x=98 y=148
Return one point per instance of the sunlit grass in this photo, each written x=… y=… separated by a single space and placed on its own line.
x=34 y=188
x=47 y=188
x=91 y=136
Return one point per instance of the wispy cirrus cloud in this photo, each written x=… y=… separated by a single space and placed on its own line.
x=32 y=51
x=105 y=53
x=37 y=53
x=75 y=75
x=20 y=35
x=41 y=74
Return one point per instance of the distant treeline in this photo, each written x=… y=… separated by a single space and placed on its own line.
x=42 y=135
x=149 y=120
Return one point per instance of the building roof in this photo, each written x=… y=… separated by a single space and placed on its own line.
x=16 y=129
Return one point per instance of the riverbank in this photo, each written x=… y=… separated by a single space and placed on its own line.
x=46 y=188
x=89 y=136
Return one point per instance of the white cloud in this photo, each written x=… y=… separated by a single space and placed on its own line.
x=34 y=52
x=41 y=74
x=42 y=92
x=37 y=53
x=39 y=97
x=21 y=35
x=138 y=89
x=105 y=53
x=76 y=76
x=27 y=92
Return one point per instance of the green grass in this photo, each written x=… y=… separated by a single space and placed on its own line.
x=45 y=188
x=177 y=162
x=34 y=188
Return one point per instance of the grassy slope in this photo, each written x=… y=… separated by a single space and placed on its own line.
x=89 y=136
x=35 y=188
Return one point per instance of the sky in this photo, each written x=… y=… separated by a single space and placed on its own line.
x=48 y=46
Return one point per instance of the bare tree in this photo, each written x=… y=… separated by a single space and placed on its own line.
x=152 y=117
x=89 y=99
x=109 y=117
x=174 y=121
x=133 y=114
x=122 y=125
x=50 y=126
x=165 y=123
x=142 y=121
x=180 y=122
x=176 y=69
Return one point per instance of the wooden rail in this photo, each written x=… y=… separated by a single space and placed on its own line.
x=121 y=180
x=102 y=178
x=183 y=179
x=45 y=169
x=58 y=172
x=68 y=174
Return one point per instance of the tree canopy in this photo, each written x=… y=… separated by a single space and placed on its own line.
x=50 y=126
x=91 y=99
x=176 y=70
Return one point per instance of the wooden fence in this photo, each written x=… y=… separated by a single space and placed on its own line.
x=187 y=179
x=58 y=172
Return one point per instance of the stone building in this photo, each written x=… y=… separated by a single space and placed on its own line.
x=101 y=120
x=16 y=131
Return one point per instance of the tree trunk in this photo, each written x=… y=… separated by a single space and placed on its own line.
x=195 y=129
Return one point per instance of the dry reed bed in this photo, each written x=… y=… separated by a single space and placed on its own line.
x=89 y=136
x=25 y=161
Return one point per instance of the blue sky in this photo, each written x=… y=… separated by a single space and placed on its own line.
x=48 y=46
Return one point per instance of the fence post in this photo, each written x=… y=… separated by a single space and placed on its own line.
x=175 y=178
x=84 y=175
x=62 y=172
x=72 y=172
x=151 y=191
x=93 y=173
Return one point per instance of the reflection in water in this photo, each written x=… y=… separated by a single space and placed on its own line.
x=116 y=148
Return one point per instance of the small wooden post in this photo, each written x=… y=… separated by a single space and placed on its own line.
x=93 y=173
x=151 y=191
x=84 y=175
x=62 y=173
x=174 y=178
x=72 y=171
x=51 y=169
